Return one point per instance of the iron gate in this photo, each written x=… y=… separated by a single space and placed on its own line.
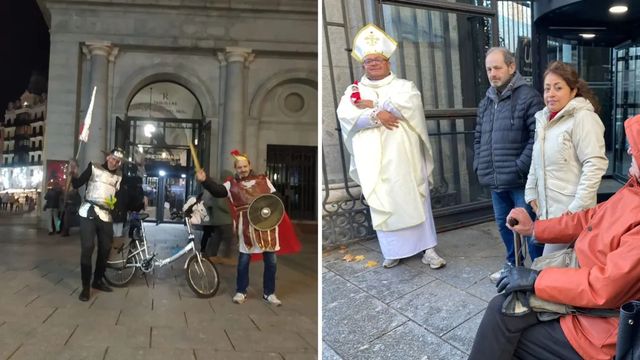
x=293 y=172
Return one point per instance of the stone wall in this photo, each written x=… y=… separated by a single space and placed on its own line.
x=251 y=64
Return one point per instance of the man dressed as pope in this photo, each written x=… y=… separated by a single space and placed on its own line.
x=384 y=130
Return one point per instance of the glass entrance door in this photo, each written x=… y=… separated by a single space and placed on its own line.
x=166 y=194
x=161 y=148
x=150 y=187
x=626 y=62
x=174 y=196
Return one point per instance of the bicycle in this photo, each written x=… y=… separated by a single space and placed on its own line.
x=201 y=274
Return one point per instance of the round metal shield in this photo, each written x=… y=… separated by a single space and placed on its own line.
x=265 y=212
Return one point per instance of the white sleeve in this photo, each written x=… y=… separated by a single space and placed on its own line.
x=588 y=140
x=388 y=106
x=271 y=186
x=364 y=122
x=227 y=186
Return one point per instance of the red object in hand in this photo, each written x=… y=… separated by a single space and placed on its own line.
x=355 y=93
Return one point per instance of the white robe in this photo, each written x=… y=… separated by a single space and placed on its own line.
x=393 y=167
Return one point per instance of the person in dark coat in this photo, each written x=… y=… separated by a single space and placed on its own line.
x=52 y=202
x=504 y=137
x=130 y=197
x=69 y=215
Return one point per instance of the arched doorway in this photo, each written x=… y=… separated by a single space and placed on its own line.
x=162 y=119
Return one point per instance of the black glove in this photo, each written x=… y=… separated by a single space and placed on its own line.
x=518 y=278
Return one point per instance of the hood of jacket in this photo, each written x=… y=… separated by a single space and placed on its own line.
x=516 y=82
x=632 y=129
x=573 y=106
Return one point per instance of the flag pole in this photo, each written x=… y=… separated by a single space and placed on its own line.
x=192 y=148
x=83 y=138
x=194 y=155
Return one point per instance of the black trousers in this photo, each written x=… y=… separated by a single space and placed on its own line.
x=90 y=229
x=519 y=337
x=134 y=224
x=67 y=218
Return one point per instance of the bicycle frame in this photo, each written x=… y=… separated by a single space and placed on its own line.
x=146 y=261
x=184 y=250
x=201 y=274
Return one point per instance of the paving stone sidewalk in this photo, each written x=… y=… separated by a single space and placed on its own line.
x=409 y=311
x=153 y=318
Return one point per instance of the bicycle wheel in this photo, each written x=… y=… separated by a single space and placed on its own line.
x=119 y=276
x=203 y=280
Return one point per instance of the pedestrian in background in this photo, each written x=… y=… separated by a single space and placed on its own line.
x=52 y=203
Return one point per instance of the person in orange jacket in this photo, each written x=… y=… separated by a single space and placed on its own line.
x=607 y=246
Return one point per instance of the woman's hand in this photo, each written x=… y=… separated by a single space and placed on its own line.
x=534 y=205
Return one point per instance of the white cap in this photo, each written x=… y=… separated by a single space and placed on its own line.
x=372 y=40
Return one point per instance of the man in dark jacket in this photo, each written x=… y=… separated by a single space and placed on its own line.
x=71 y=203
x=130 y=195
x=503 y=142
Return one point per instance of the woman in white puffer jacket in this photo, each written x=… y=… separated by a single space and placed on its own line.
x=568 y=158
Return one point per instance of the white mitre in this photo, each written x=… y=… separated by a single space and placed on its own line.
x=372 y=40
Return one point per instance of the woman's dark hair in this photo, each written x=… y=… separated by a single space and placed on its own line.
x=569 y=74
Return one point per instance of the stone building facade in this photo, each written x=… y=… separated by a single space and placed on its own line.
x=441 y=48
x=248 y=67
x=21 y=146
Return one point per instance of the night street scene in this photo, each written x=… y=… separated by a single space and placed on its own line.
x=159 y=180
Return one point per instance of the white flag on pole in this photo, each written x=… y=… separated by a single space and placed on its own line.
x=84 y=131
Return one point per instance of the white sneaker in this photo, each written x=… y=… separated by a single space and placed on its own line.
x=389 y=263
x=432 y=259
x=498 y=274
x=239 y=298
x=272 y=299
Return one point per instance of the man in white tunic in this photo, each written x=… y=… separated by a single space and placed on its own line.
x=384 y=129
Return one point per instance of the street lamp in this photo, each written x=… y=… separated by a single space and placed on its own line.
x=618 y=9
x=148 y=129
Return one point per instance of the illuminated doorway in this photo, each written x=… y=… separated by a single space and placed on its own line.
x=162 y=119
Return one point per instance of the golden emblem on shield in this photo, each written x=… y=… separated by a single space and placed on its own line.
x=265 y=212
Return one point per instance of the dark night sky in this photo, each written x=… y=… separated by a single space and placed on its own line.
x=24 y=48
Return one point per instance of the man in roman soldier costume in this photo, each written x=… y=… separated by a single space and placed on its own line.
x=95 y=216
x=241 y=190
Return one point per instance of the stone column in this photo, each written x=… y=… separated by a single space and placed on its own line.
x=235 y=106
x=98 y=53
